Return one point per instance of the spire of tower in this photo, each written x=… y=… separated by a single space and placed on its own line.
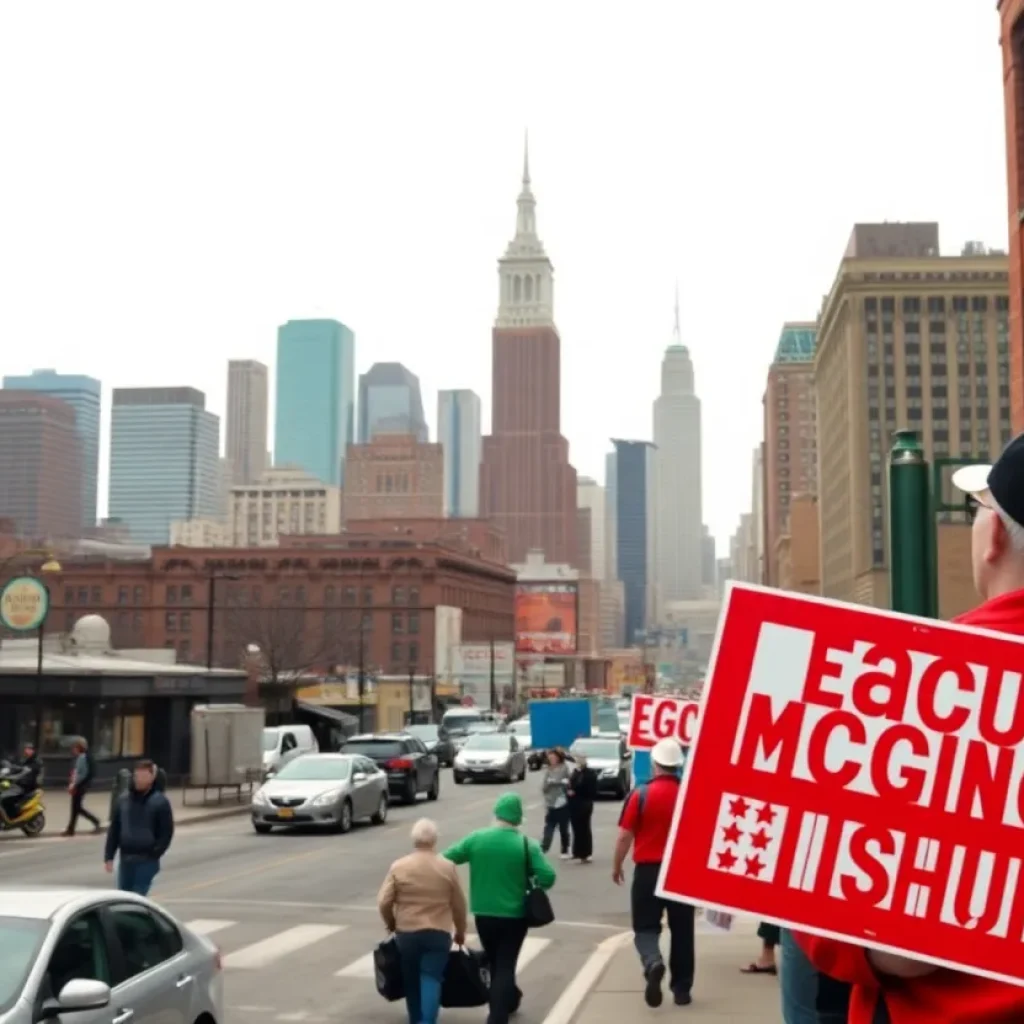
x=526 y=220
x=526 y=160
x=677 y=334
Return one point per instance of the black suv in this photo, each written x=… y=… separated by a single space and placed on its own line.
x=410 y=767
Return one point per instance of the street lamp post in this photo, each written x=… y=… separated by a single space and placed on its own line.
x=910 y=546
x=412 y=688
x=493 y=676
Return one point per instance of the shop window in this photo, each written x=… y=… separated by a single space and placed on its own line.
x=120 y=729
x=62 y=723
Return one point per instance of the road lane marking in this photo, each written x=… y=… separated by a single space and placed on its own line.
x=573 y=996
x=363 y=967
x=208 y=926
x=259 y=869
x=262 y=954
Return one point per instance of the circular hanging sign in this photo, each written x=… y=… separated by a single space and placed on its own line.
x=24 y=603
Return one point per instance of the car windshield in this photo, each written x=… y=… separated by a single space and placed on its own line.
x=426 y=733
x=460 y=722
x=520 y=727
x=270 y=739
x=487 y=741
x=601 y=749
x=375 y=748
x=20 y=940
x=308 y=769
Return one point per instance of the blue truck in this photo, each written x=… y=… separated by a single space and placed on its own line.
x=560 y=722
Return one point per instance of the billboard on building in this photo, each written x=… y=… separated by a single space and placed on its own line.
x=546 y=618
x=447 y=637
x=471 y=667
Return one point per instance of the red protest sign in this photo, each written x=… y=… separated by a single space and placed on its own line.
x=657 y=718
x=859 y=774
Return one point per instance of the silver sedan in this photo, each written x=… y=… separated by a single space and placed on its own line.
x=328 y=790
x=101 y=956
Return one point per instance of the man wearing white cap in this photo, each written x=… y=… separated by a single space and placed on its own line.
x=891 y=989
x=644 y=825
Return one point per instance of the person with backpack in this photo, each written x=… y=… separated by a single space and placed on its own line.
x=644 y=826
x=82 y=770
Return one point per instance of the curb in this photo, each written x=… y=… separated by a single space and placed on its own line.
x=201 y=819
x=572 y=1000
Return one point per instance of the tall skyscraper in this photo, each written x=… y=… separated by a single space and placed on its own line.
x=83 y=395
x=164 y=460
x=246 y=443
x=677 y=439
x=632 y=501
x=315 y=414
x=790 y=436
x=459 y=433
x=528 y=486
x=590 y=495
x=914 y=340
x=40 y=466
x=390 y=403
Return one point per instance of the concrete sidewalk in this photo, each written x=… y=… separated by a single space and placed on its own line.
x=721 y=994
x=194 y=812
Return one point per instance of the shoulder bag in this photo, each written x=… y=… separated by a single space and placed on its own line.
x=537 y=909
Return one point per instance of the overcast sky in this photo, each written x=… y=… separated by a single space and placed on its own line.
x=177 y=179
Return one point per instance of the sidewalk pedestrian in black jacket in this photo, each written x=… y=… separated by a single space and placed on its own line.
x=141 y=831
x=582 y=794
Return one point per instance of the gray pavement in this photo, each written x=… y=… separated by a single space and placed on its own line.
x=295 y=915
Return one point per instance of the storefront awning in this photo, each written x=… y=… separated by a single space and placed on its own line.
x=332 y=715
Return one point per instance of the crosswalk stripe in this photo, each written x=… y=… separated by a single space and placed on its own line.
x=203 y=926
x=260 y=954
x=363 y=967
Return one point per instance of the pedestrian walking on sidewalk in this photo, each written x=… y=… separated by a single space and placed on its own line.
x=554 y=785
x=79 y=785
x=140 y=832
x=770 y=937
x=582 y=794
x=644 y=825
x=422 y=903
x=499 y=859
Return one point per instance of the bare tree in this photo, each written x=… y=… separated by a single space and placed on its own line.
x=291 y=641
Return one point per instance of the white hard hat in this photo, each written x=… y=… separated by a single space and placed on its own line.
x=667 y=753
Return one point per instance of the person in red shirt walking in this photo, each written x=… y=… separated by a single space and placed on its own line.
x=889 y=989
x=644 y=825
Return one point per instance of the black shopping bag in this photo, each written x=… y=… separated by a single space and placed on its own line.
x=387 y=971
x=537 y=909
x=467 y=981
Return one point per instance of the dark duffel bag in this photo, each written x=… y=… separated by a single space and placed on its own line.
x=467 y=981
x=387 y=971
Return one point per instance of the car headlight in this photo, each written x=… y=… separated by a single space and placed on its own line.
x=329 y=797
x=261 y=798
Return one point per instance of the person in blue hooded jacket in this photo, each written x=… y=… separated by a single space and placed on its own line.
x=140 y=831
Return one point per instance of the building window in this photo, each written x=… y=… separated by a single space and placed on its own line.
x=83 y=595
x=69 y=595
x=186 y=594
x=122 y=595
x=172 y=595
x=171 y=622
x=185 y=621
x=137 y=594
x=367 y=597
x=397 y=623
x=398 y=595
x=414 y=622
x=414 y=596
x=120 y=729
x=414 y=654
x=349 y=596
x=396 y=654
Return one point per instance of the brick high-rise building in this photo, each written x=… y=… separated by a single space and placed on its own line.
x=790 y=436
x=1011 y=17
x=395 y=476
x=527 y=485
x=914 y=340
x=40 y=465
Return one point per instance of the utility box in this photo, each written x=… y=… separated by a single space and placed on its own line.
x=227 y=744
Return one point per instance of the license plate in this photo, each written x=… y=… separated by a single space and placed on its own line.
x=285 y=812
x=476 y=769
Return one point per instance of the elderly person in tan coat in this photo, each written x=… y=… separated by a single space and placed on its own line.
x=422 y=903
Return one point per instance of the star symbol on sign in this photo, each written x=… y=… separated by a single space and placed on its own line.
x=738 y=807
x=727 y=860
x=765 y=815
x=759 y=840
x=732 y=833
x=754 y=866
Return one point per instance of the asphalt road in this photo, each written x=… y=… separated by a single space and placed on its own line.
x=295 y=913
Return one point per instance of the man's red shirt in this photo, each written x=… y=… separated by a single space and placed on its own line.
x=650 y=826
x=944 y=997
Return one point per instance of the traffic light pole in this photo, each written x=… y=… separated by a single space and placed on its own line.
x=911 y=530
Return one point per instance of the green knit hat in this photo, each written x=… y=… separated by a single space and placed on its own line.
x=509 y=809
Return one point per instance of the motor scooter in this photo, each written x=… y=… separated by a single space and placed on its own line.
x=19 y=809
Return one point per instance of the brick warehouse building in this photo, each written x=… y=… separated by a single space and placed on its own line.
x=312 y=604
x=1011 y=16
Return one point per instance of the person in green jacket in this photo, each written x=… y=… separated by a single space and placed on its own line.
x=499 y=859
